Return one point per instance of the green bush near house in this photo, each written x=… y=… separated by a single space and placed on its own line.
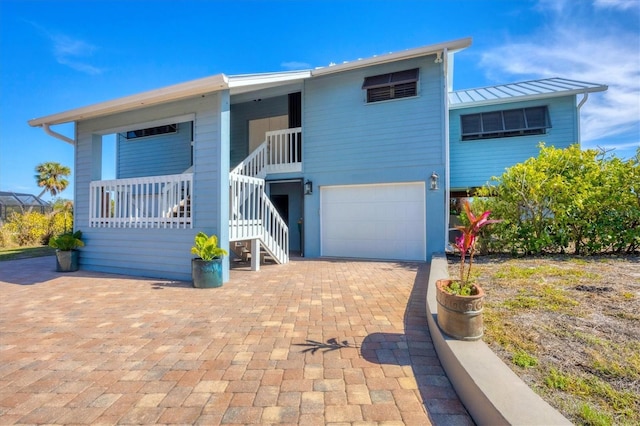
x=564 y=200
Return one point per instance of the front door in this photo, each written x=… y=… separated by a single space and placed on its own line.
x=287 y=197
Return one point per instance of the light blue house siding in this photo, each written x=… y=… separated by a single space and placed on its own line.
x=154 y=252
x=347 y=141
x=154 y=155
x=473 y=162
x=242 y=113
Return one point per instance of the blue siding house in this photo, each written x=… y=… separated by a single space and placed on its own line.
x=356 y=160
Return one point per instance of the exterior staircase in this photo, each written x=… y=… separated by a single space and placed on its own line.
x=253 y=219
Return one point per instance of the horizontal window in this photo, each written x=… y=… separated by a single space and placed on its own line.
x=507 y=123
x=401 y=84
x=152 y=131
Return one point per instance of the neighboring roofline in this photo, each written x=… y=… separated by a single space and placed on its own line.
x=562 y=87
x=450 y=46
x=154 y=97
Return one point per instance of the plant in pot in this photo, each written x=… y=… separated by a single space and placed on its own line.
x=206 y=268
x=67 y=254
x=460 y=301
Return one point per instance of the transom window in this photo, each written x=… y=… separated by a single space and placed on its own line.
x=503 y=124
x=152 y=131
x=401 y=84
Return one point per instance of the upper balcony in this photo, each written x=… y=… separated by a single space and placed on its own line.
x=281 y=152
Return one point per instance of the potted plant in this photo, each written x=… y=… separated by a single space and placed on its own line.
x=460 y=301
x=66 y=253
x=206 y=268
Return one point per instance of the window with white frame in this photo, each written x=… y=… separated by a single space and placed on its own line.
x=506 y=123
x=395 y=85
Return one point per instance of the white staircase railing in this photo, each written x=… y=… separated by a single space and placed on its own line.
x=253 y=216
x=281 y=152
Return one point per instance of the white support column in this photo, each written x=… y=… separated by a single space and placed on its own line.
x=255 y=254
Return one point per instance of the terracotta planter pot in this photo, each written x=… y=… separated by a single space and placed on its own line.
x=67 y=260
x=206 y=274
x=460 y=316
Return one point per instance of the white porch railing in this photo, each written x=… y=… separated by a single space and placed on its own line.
x=145 y=202
x=281 y=152
x=253 y=216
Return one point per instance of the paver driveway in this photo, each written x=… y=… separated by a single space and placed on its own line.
x=311 y=342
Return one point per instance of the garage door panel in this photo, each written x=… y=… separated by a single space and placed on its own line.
x=374 y=221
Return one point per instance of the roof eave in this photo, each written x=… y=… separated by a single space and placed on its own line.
x=451 y=46
x=154 y=97
x=523 y=98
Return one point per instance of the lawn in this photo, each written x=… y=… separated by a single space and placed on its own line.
x=570 y=328
x=25 y=252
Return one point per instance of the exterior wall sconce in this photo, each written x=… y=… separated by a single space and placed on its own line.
x=434 y=181
x=308 y=187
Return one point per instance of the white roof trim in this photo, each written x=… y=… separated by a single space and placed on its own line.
x=236 y=84
x=451 y=46
x=244 y=80
x=153 y=97
x=522 y=91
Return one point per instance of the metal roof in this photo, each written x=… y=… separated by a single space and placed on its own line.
x=522 y=91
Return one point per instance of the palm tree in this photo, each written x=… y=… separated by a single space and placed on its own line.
x=51 y=176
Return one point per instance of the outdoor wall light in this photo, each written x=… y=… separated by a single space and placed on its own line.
x=434 y=181
x=308 y=187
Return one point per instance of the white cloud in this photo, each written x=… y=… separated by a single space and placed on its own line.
x=579 y=47
x=70 y=51
x=617 y=4
x=295 y=65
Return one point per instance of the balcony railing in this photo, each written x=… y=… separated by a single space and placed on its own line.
x=145 y=202
x=281 y=152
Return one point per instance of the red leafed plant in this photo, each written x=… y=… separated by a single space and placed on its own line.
x=466 y=244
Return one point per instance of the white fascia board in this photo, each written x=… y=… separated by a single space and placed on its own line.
x=239 y=84
x=451 y=46
x=243 y=80
x=154 y=97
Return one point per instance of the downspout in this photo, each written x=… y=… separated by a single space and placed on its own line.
x=582 y=102
x=447 y=189
x=57 y=135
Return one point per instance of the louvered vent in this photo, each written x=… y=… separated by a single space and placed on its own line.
x=401 y=84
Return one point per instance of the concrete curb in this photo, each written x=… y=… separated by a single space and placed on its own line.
x=490 y=391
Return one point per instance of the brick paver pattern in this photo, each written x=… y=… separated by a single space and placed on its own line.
x=313 y=342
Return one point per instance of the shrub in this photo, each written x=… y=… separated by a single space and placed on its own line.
x=28 y=228
x=33 y=228
x=565 y=199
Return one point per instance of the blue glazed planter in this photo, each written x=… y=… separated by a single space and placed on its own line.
x=206 y=274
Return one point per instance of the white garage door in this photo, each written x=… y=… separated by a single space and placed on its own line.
x=374 y=221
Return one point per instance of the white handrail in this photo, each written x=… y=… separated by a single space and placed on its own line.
x=280 y=152
x=144 y=202
x=253 y=216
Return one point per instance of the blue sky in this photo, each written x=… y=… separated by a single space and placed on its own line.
x=60 y=55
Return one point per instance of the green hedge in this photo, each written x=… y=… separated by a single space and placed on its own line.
x=564 y=200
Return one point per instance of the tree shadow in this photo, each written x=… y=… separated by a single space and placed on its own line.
x=332 y=344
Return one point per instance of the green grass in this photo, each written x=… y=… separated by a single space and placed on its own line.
x=25 y=252
x=516 y=272
x=524 y=360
